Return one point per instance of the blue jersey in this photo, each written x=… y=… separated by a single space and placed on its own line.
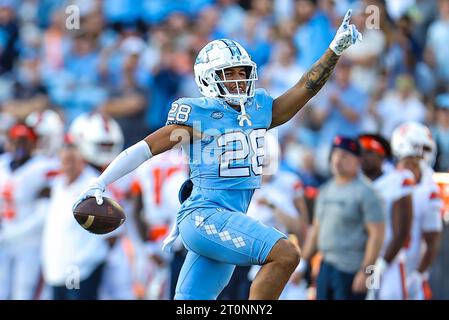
x=228 y=156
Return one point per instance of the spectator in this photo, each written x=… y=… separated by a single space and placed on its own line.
x=441 y=132
x=424 y=12
x=127 y=100
x=207 y=23
x=366 y=55
x=121 y=11
x=341 y=106
x=232 y=17
x=76 y=88
x=28 y=94
x=404 y=53
x=68 y=250
x=54 y=45
x=437 y=40
x=9 y=36
x=348 y=226
x=313 y=34
x=400 y=105
x=283 y=10
x=282 y=72
x=165 y=85
x=256 y=44
x=263 y=10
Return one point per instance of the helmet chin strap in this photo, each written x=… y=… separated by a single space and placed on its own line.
x=243 y=116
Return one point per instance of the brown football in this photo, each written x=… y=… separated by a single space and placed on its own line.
x=99 y=219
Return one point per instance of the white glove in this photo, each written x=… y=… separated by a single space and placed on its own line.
x=415 y=288
x=346 y=36
x=95 y=189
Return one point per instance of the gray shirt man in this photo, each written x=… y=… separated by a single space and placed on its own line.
x=343 y=211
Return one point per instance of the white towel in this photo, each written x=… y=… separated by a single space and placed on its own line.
x=171 y=238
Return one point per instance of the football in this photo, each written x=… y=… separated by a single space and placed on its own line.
x=99 y=219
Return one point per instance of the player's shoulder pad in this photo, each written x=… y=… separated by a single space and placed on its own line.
x=193 y=102
x=406 y=178
x=397 y=179
x=185 y=111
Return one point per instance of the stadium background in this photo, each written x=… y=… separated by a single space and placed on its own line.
x=140 y=54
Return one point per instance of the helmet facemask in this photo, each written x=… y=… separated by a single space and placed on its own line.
x=240 y=96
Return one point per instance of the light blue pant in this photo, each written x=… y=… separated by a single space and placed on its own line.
x=217 y=240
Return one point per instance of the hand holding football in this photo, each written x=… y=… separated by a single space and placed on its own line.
x=99 y=219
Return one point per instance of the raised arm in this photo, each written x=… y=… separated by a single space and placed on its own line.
x=128 y=160
x=288 y=104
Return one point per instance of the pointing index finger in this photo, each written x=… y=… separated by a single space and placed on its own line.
x=347 y=18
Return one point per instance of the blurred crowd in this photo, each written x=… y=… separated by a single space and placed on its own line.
x=130 y=59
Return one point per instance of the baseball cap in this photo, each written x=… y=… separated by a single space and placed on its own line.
x=348 y=144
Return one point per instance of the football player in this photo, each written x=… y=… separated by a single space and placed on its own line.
x=23 y=176
x=395 y=187
x=49 y=128
x=155 y=187
x=223 y=135
x=413 y=145
x=99 y=139
x=280 y=203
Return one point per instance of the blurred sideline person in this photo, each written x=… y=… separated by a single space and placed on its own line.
x=347 y=229
x=280 y=203
x=49 y=128
x=23 y=176
x=413 y=146
x=155 y=190
x=73 y=259
x=395 y=188
x=171 y=189
x=99 y=138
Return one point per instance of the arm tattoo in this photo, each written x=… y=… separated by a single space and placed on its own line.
x=320 y=72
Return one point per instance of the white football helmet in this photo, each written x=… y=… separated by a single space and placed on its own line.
x=98 y=137
x=49 y=127
x=413 y=139
x=211 y=62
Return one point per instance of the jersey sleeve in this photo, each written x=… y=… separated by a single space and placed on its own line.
x=432 y=218
x=406 y=183
x=181 y=112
